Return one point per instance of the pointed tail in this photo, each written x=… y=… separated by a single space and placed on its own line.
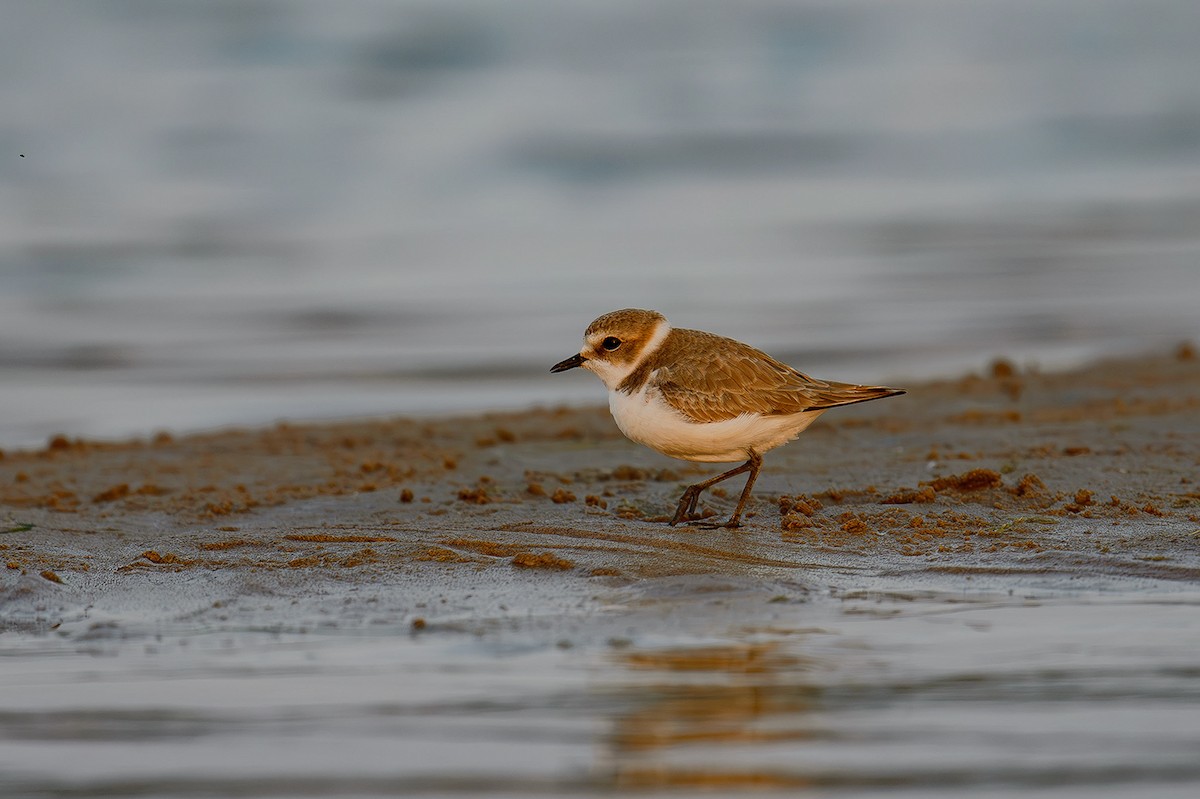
x=845 y=394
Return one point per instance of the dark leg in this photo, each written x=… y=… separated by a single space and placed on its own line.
x=736 y=519
x=686 y=510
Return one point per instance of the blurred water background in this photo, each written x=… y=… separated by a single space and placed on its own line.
x=227 y=212
x=234 y=211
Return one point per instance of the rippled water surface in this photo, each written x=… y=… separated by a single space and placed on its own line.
x=231 y=212
x=863 y=694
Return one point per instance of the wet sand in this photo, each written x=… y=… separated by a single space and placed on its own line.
x=952 y=590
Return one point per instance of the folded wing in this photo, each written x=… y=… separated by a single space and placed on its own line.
x=711 y=379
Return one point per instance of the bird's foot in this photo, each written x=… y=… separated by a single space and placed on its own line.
x=685 y=512
x=732 y=524
x=689 y=518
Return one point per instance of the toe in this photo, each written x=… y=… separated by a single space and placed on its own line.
x=732 y=524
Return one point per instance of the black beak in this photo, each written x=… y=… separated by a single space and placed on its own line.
x=569 y=363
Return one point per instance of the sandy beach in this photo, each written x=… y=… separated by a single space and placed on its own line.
x=1003 y=474
x=1010 y=537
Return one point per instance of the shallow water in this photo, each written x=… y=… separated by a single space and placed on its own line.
x=232 y=212
x=686 y=685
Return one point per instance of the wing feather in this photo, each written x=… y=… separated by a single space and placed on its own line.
x=710 y=378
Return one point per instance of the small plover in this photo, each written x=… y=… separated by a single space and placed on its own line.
x=702 y=397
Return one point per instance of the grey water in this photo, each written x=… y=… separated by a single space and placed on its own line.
x=236 y=211
x=699 y=689
x=227 y=213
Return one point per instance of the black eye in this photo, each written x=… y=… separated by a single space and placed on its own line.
x=610 y=343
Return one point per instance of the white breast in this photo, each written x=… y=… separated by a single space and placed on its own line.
x=645 y=418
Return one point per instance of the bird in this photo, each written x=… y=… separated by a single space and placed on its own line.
x=702 y=397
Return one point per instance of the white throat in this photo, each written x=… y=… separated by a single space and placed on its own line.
x=613 y=374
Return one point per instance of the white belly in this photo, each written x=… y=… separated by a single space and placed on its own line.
x=643 y=417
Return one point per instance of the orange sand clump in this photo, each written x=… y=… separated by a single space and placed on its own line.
x=490 y=548
x=60 y=500
x=800 y=504
x=907 y=497
x=359 y=558
x=629 y=473
x=853 y=525
x=443 y=555
x=114 y=493
x=562 y=496
x=868 y=528
x=475 y=496
x=1029 y=485
x=791 y=523
x=974 y=480
x=167 y=559
x=51 y=576
x=546 y=560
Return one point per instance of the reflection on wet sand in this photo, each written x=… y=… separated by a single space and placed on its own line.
x=737 y=695
x=972 y=694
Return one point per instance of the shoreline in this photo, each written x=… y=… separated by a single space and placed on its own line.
x=1083 y=474
x=494 y=605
